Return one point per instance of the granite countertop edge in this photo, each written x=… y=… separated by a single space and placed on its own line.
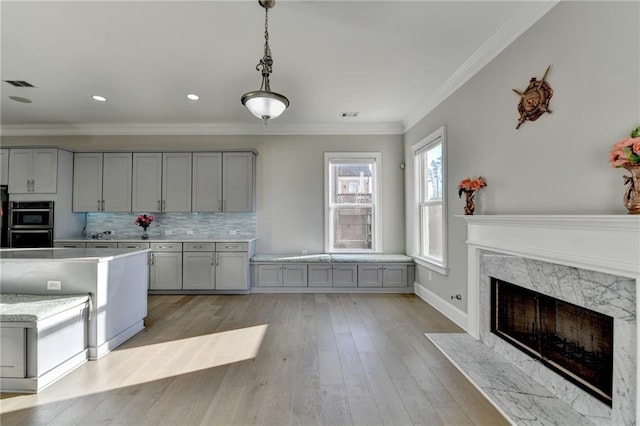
x=332 y=258
x=188 y=238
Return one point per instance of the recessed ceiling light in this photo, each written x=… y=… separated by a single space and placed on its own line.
x=20 y=99
x=99 y=98
x=193 y=97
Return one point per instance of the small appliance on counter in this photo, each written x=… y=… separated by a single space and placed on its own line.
x=30 y=224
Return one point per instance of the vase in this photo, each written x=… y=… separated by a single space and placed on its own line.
x=144 y=235
x=470 y=204
x=631 y=196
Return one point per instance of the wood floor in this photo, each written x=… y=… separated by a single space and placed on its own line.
x=268 y=359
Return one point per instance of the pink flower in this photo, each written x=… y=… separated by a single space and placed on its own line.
x=636 y=145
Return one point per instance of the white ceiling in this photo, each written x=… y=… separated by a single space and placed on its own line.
x=391 y=61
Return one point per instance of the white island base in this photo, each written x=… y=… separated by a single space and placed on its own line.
x=116 y=279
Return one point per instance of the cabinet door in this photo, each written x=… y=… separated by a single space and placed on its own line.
x=294 y=275
x=198 y=270
x=13 y=348
x=320 y=275
x=238 y=182
x=19 y=171
x=147 y=182
x=45 y=171
x=176 y=182
x=166 y=271
x=394 y=275
x=270 y=275
x=207 y=182
x=116 y=181
x=345 y=275
x=4 y=166
x=87 y=182
x=370 y=275
x=232 y=271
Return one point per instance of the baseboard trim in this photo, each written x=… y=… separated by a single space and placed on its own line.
x=447 y=309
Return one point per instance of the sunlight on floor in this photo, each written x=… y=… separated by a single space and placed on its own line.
x=151 y=362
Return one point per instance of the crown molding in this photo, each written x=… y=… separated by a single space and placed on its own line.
x=527 y=15
x=138 y=129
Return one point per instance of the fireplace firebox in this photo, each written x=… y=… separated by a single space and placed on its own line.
x=573 y=341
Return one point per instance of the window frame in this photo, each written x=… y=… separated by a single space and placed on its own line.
x=424 y=145
x=376 y=228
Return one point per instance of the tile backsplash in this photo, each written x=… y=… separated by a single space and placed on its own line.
x=205 y=225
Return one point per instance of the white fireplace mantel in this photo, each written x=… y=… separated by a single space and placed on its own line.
x=602 y=243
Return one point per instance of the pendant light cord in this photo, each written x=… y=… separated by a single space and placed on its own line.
x=266 y=63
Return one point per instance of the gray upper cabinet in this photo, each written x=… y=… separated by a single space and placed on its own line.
x=176 y=182
x=33 y=171
x=207 y=182
x=238 y=183
x=102 y=182
x=4 y=166
x=147 y=182
x=161 y=182
x=223 y=182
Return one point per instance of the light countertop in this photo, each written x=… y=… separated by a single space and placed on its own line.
x=31 y=307
x=68 y=254
x=159 y=239
x=332 y=258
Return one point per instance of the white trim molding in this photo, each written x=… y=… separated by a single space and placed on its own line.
x=447 y=309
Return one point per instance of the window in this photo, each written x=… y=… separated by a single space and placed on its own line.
x=430 y=200
x=352 y=220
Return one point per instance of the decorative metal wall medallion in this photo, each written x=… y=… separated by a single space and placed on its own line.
x=534 y=100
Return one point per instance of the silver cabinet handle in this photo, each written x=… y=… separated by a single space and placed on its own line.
x=152 y=259
x=102 y=205
x=33 y=185
x=158 y=205
x=164 y=205
x=212 y=262
x=98 y=205
x=217 y=259
x=30 y=185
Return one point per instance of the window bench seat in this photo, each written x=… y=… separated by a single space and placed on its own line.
x=43 y=337
x=332 y=273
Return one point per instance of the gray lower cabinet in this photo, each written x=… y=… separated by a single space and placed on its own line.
x=165 y=269
x=232 y=270
x=198 y=271
x=320 y=275
x=345 y=275
x=382 y=275
x=282 y=275
x=70 y=244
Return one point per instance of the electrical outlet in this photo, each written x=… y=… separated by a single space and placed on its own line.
x=190 y=232
x=232 y=232
x=304 y=252
x=54 y=285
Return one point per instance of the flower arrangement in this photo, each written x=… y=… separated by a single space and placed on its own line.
x=626 y=151
x=469 y=186
x=144 y=221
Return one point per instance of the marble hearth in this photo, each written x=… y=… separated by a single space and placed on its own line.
x=589 y=261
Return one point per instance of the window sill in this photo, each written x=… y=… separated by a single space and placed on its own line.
x=431 y=265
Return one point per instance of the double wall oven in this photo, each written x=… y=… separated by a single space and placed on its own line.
x=30 y=224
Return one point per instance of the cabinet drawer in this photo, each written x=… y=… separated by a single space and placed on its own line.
x=103 y=244
x=166 y=246
x=133 y=245
x=70 y=245
x=232 y=247
x=199 y=247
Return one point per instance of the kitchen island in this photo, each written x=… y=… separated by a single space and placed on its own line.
x=115 y=278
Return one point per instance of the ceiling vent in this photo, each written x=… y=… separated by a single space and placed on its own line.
x=19 y=83
x=350 y=114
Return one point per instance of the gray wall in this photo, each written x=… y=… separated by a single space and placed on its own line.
x=557 y=164
x=290 y=179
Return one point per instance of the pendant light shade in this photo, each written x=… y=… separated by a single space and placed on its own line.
x=264 y=103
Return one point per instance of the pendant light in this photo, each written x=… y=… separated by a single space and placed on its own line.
x=264 y=103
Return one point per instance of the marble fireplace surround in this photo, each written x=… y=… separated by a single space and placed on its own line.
x=590 y=261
